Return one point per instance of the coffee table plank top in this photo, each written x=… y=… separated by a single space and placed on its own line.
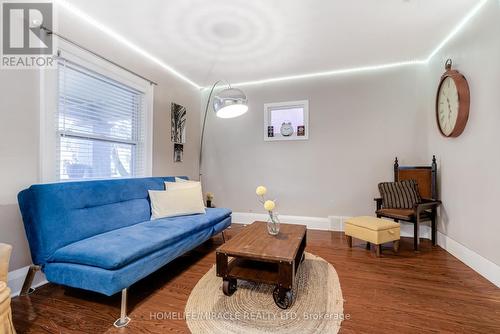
x=254 y=242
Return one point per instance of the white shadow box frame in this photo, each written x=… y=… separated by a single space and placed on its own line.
x=295 y=112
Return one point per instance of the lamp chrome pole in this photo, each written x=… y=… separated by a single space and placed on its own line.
x=203 y=127
x=229 y=103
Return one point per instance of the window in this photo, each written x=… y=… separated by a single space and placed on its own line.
x=99 y=126
x=286 y=121
x=95 y=119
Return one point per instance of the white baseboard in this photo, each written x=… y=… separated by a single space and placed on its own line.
x=476 y=262
x=314 y=223
x=330 y=223
x=16 y=280
x=483 y=266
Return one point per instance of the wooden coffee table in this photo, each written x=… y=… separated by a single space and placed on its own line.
x=259 y=257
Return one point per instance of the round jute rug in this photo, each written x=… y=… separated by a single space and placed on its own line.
x=317 y=307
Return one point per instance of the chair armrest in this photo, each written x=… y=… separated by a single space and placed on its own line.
x=379 y=201
x=426 y=205
x=5 y=251
x=430 y=200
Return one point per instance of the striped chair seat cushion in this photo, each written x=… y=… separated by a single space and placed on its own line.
x=399 y=195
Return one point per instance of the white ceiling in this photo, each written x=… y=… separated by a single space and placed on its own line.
x=246 y=40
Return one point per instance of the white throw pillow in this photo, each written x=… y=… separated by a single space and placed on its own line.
x=178 y=179
x=180 y=184
x=180 y=201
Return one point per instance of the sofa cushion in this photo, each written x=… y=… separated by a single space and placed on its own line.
x=110 y=282
x=115 y=249
x=59 y=214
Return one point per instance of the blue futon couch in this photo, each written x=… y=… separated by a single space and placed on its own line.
x=98 y=236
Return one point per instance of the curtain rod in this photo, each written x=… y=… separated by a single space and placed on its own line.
x=50 y=32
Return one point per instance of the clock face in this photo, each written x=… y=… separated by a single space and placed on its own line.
x=286 y=129
x=448 y=106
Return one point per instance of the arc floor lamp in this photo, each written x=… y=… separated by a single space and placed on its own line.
x=228 y=103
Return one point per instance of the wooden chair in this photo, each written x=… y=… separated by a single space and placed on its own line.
x=426 y=177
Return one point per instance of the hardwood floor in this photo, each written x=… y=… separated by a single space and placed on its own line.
x=428 y=292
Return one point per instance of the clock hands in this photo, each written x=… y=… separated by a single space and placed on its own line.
x=449 y=108
x=445 y=116
x=447 y=124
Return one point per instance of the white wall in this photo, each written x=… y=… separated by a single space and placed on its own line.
x=358 y=124
x=470 y=164
x=18 y=154
x=19 y=127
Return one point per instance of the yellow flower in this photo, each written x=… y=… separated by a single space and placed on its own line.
x=269 y=205
x=261 y=190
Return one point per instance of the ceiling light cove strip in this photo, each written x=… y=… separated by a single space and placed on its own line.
x=459 y=27
x=113 y=34
x=462 y=23
x=332 y=73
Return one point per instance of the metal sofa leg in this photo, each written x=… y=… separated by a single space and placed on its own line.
x=223 y=237
x=123 y=320
x=27 y=289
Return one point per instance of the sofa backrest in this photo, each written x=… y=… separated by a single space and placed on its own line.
x=59 y=214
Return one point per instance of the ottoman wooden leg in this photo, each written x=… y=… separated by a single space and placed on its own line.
x=395 y=246
x=349 y=241
x=367 y=245
x=378 y=249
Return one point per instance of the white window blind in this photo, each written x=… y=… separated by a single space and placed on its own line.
x=99 y=126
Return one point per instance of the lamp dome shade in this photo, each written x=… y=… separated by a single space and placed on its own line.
x=230 y=102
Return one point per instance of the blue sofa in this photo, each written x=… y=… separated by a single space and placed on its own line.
x=98 y=236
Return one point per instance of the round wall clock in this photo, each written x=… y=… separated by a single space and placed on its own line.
x=452 y=102
x=286 y=129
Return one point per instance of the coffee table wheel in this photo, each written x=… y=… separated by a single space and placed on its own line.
x=228 y=286
x=282 y=297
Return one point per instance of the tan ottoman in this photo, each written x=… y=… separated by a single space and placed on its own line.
x=372 y=230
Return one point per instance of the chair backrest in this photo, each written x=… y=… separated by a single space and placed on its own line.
x=426 y=177
x=58 y=214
